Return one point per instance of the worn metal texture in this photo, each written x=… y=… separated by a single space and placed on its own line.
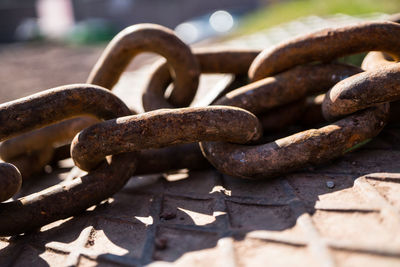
x=361 y=91
x=58 y=104
x=171 y=158
x=72 y=197
x=32 y=151
x=51 y=106
x=344 y=213
x=162 y=128
x=213 y=219
x=296 y=151
x=33 y=161
x=326 y=45
x=10 y=181
x=66 y=199
x=53 y=135
x=211 y=60
x=124 y=47
x=287 y=87
x=149 y=38
x=279 y=118
x=375 y=60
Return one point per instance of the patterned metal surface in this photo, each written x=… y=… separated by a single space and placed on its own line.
x=345 y=213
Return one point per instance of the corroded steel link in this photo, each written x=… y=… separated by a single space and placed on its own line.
x=375 y=60
x=162 y=128
x=326 y=45
x=184 y=156
x=312 y=114
x=58 y=104
x=225 y=60
x=66 y=199
x=33 y=162
x=54 y=105
x=362 y=90
x=296 y=151
x=287 y=87
x=53 y=135
x=280 y=117
x=217 y=60
x=149 y=38
x=158 y=160
x=69 y=198
x=10 y=181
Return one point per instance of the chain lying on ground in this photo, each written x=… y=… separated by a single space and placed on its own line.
x=285 y=87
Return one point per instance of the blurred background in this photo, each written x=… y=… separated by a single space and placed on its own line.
x=88 y=21
x=46 y=43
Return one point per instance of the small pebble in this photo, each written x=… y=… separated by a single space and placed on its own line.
x=330 y=184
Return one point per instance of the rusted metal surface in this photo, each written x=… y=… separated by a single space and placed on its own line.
x=58 y=104
x=375 y=60
x=66 y=199
x=326 y=45
x=287 y=87
x=149 y=38
x=363 y=90
x=296 y=151
x=10 y=181
x=132 y=41
x=33 y=162
x=344 y=213
x=32 y=151
x=53 y=135
x=72 y=197
x=162 y=128
x=279 y=118
x=217 y=60
x=312 y=114
x=52 y=106
x=184 y=156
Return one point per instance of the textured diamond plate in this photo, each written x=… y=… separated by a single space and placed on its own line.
x=345 y=213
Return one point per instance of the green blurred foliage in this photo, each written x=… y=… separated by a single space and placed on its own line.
x=283 y=11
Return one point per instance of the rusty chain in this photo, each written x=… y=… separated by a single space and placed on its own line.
x=113 y=143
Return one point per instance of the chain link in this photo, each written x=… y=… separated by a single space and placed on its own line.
x=284 y=90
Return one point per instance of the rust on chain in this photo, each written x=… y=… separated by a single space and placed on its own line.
x=280 y=117
x=162 y=128
x=183 y=156
x=287 y=87
x=66 y=199
x=149 y=38
x=296 y=151
x=10 y=181
x=312 y=114
x=122 y=49
x=326 y=45
x=374 y=60
x=217 y=60
x=33 y=162
x=58 y=104
x=55 y=105
x=362 y=90
x=159 y=160
x=53 y=135
x=71 y=197
x=31 y=152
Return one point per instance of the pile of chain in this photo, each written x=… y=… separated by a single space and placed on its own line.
x=287 y=84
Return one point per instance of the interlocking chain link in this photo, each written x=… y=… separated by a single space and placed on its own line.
x=289 y=84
